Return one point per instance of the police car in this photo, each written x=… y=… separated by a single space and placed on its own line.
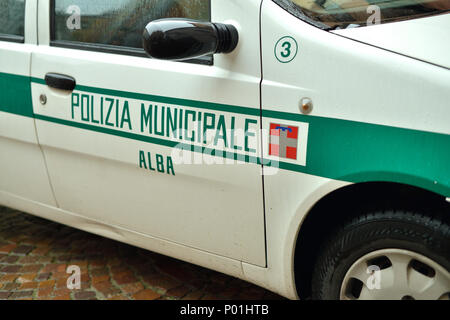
x=301 y=145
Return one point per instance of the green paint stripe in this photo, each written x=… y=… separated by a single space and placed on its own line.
x=15 y=94
x=167 y=100
x=337 y=149
x=361 y=152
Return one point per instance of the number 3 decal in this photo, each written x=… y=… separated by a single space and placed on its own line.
x=286 y=49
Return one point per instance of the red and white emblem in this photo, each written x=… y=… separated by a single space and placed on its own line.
x=283 y=141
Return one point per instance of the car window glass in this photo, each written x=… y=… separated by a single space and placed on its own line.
x=12 y=13
x=118 y=22
x=354 y=13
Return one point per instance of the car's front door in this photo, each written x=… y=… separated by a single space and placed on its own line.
x=126 y=146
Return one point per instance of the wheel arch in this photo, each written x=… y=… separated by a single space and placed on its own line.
x=348 y=202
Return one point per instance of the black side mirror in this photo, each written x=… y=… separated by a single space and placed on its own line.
x=182 y=39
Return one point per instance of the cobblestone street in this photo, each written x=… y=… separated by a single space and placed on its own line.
x=35 y=253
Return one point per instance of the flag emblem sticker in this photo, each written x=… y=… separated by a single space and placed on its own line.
x=283 y=141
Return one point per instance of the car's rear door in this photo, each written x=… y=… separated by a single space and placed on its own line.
x=112 y=151
x=23 y=174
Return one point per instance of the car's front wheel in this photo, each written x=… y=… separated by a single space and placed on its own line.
x=386 y=255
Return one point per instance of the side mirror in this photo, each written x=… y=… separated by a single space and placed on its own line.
x=183 y=39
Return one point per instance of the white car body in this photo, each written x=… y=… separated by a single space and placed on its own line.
x=376 y=92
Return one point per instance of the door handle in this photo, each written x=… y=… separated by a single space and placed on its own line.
x=60 y=81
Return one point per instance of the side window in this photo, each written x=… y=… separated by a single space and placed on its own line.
x=116 y=25
x=12 y=15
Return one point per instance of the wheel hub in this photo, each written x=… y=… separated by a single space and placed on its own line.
x=395 y=274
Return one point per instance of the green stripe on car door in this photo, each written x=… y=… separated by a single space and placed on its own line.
x=337 y=149
x=15 y=94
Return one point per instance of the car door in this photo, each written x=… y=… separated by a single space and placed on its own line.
x=148 y=145
x=23 y=174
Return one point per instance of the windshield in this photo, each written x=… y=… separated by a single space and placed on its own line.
x=337 y=14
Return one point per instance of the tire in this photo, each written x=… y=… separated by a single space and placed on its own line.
x=379 y=239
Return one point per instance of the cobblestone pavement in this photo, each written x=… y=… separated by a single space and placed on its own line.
x=35 y=254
